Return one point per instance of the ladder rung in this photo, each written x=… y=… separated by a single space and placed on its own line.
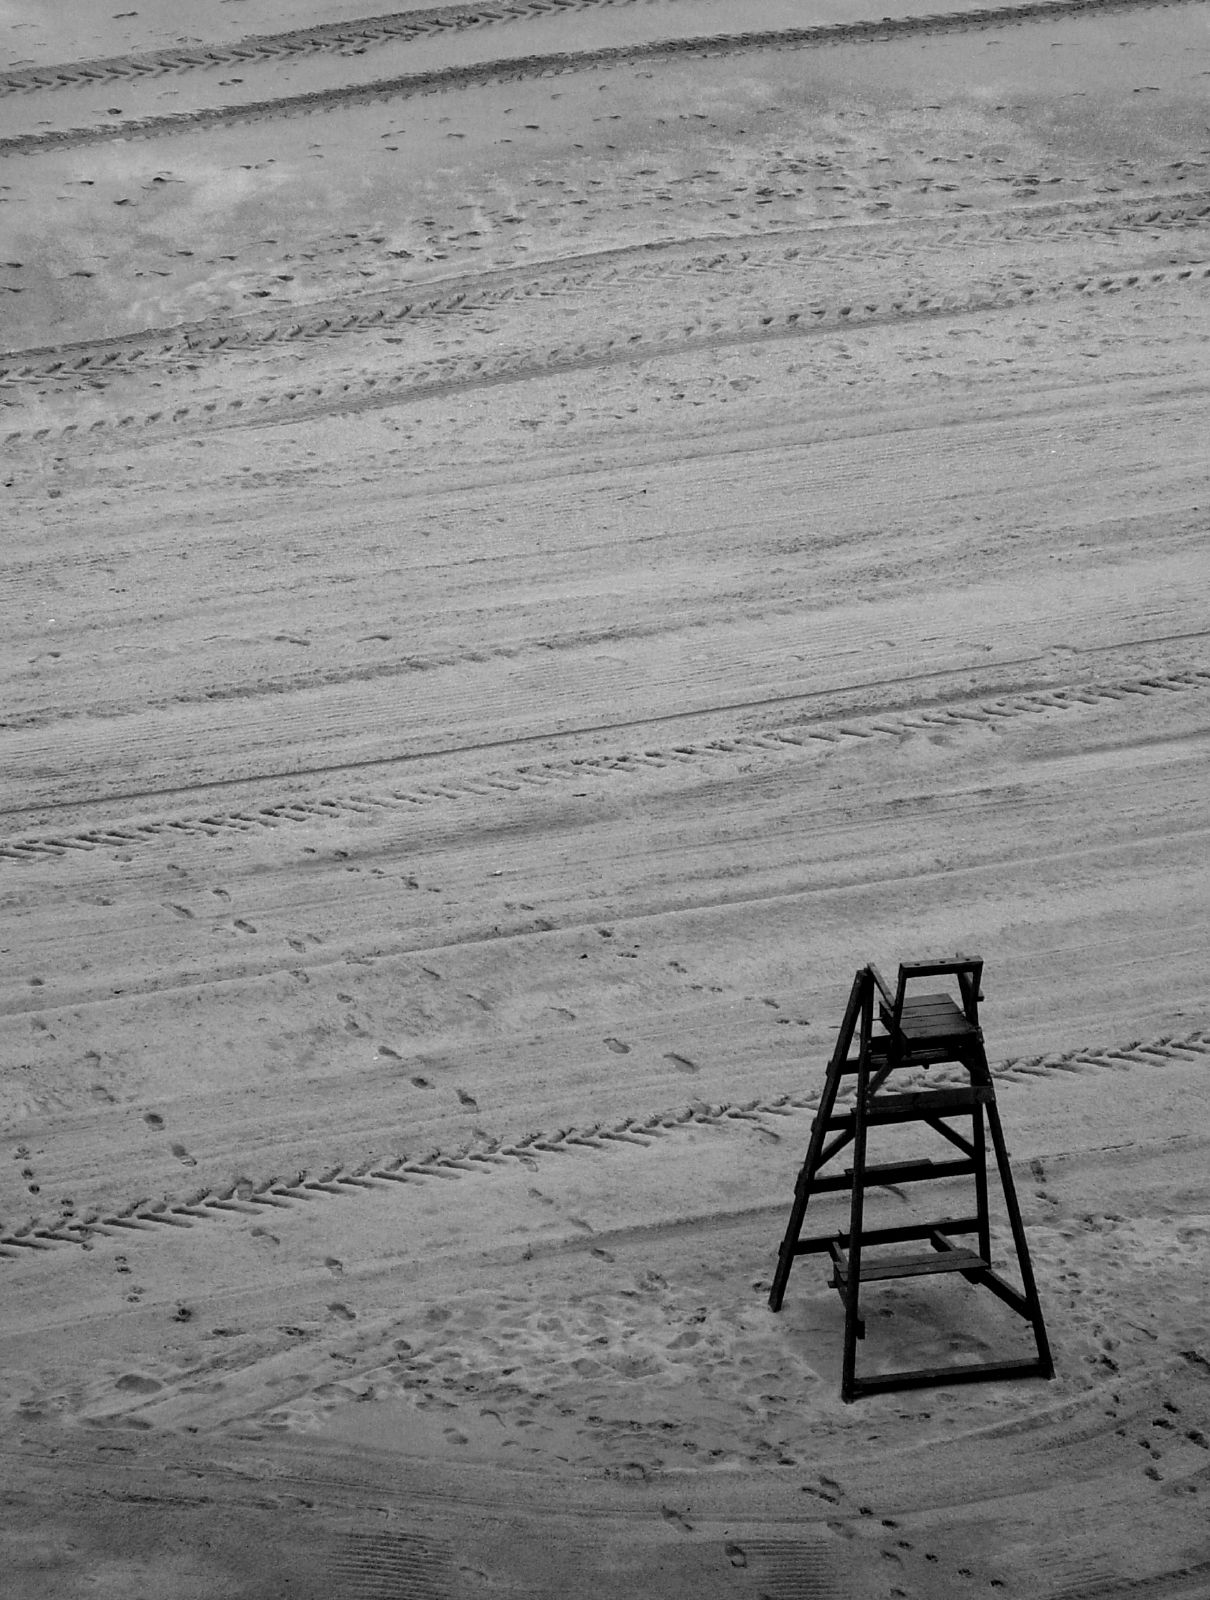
x=926 y=1102
x=929 y=1053
x=915 y=1106
x=902 y=1234
x=908 y=1266
x=888 y=1172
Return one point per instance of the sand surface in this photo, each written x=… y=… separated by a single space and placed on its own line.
x=537 y=538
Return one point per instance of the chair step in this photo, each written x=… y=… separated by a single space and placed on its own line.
x=933 y=1261
x=914 y=1105
x=904 y=1233
x=894 y=1172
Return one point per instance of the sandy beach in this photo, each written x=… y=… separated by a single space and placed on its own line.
x=538 y=537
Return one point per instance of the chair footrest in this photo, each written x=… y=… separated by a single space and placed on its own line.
x=907 y=1266
x=895 y=1172
x=906 y=1233
x=912 y=1106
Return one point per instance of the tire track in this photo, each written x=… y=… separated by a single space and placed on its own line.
x=555 y=64
x=339 y=38
x=480 y=1156
x=460 y=373
x=332 y=319
x=795 y=742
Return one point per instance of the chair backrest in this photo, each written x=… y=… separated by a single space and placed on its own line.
x=968 y=970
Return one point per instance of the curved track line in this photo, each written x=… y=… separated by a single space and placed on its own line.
x=795 y=742
x=457 y=373
x=556 y=64
x=334 y=318
x=480 y=1156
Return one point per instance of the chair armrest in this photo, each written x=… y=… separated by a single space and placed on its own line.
x=888 y=994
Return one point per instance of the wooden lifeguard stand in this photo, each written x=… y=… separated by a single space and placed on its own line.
x=919 y=1030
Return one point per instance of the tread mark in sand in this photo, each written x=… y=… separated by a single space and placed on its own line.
x=65 y=363
x=795 y=742
x=495 y=72
x=448 y=374
x=245 y=1198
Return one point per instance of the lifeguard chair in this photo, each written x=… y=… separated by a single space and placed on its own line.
x=915 y=1031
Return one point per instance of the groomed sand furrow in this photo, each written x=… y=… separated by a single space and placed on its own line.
x=387 y=1173
x=559 y=63
x=795 y=743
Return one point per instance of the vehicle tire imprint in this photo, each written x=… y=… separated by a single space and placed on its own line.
x=245 y=1198
x=338 y=38
x=460 y=373
x=795 y=742
x=648 y=261
x=355 y=37
x=520 y=68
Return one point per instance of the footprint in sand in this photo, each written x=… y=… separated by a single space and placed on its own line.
x=153 y=1119
x=618 y=1048
x=681 y=1063
x=135 y=1383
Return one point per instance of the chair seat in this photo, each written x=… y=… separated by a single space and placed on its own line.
x=930 y=1017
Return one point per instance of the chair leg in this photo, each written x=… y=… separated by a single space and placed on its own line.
x=1024 y=1265
x=819 y=1128
x=853 y=1329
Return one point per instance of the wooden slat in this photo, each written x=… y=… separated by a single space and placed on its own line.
x=896 y=1172
x=912 y=1106
x=937 y=969
x=920 y=1266
x=927 y=1377
x=905 y=1233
